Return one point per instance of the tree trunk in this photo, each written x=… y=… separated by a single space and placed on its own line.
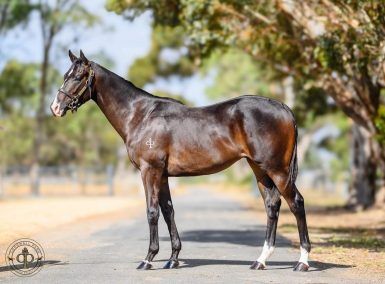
x=39 y=125
x=363 y=169
x=380 y=194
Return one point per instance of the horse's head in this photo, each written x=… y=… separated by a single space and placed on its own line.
x=76 y=88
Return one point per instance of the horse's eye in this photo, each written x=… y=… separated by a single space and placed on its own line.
x=77 y=78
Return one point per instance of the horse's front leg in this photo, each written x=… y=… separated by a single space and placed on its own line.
x=151 y=178
x=168 y=214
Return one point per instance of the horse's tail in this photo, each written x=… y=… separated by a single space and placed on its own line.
x=293 y=168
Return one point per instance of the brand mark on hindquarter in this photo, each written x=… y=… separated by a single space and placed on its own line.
x=150 y=143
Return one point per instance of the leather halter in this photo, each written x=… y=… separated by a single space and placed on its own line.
x=74 y=104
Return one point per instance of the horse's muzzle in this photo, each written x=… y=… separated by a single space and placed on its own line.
x=56 y=109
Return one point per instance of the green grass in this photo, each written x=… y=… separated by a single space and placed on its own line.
x=371 y=243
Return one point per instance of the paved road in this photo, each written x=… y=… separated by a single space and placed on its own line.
x=220 y=239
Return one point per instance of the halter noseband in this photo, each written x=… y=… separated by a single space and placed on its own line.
x=74 y=103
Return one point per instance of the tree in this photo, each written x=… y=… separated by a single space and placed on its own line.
x=54 y=17
x=18 y=81
x=153 y=65
x=13 y=13
x=147 y=69
x=246 y=79
x=69 y=138
x=332 y=46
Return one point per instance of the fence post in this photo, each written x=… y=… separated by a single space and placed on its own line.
x=110 y=179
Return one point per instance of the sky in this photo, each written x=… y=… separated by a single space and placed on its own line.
x=121 y=40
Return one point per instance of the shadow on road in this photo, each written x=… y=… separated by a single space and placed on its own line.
x=239 y=237
x=43 y=263
x=272 y=265
x=246 y=238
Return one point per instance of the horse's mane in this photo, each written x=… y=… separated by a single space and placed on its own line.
x=131 y=86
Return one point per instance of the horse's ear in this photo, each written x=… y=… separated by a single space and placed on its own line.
x=83 y=57
x=72 y=56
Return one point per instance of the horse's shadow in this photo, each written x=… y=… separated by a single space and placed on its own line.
x=272 y=265
x=245 y=237
x=6 y=268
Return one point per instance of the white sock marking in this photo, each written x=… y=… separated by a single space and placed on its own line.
x=304 y=256
x=266 y=252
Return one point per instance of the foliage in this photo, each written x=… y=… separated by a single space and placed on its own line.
x=330 y=45
x=16 y=151
x=18 y=82
x=84 y=138
x=339 y=145
x=330 y=48
x=380 y=124
x=14 y=12
x=235 y=74
x=153 y=65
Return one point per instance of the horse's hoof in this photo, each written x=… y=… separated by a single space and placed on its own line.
x=171 y=264
x=257 y=266
x=301 y=267
x=144 y=265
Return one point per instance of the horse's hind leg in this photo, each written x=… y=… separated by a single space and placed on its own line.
x=272 y=200
x=297 y=206
x=168 y=214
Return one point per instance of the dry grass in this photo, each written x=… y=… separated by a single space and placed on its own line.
x=338 y=236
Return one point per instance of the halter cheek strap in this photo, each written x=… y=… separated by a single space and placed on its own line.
x=74 y=104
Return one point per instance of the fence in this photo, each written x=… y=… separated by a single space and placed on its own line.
x=69 y=180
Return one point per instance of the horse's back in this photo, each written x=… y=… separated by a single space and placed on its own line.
x=259 y=106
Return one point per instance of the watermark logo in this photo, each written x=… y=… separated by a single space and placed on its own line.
x=25 y=257
x=150 y=143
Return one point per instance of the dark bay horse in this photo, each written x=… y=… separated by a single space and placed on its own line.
x=166 y=138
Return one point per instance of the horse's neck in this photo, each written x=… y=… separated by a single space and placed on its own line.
x=120 y=101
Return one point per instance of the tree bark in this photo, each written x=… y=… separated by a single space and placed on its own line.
x=362 y=187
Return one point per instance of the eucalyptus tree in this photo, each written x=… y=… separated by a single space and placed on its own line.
x=336 y=47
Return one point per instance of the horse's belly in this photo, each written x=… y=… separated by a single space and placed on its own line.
x=200 y=163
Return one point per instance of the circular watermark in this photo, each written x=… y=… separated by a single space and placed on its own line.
x=25 y=257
